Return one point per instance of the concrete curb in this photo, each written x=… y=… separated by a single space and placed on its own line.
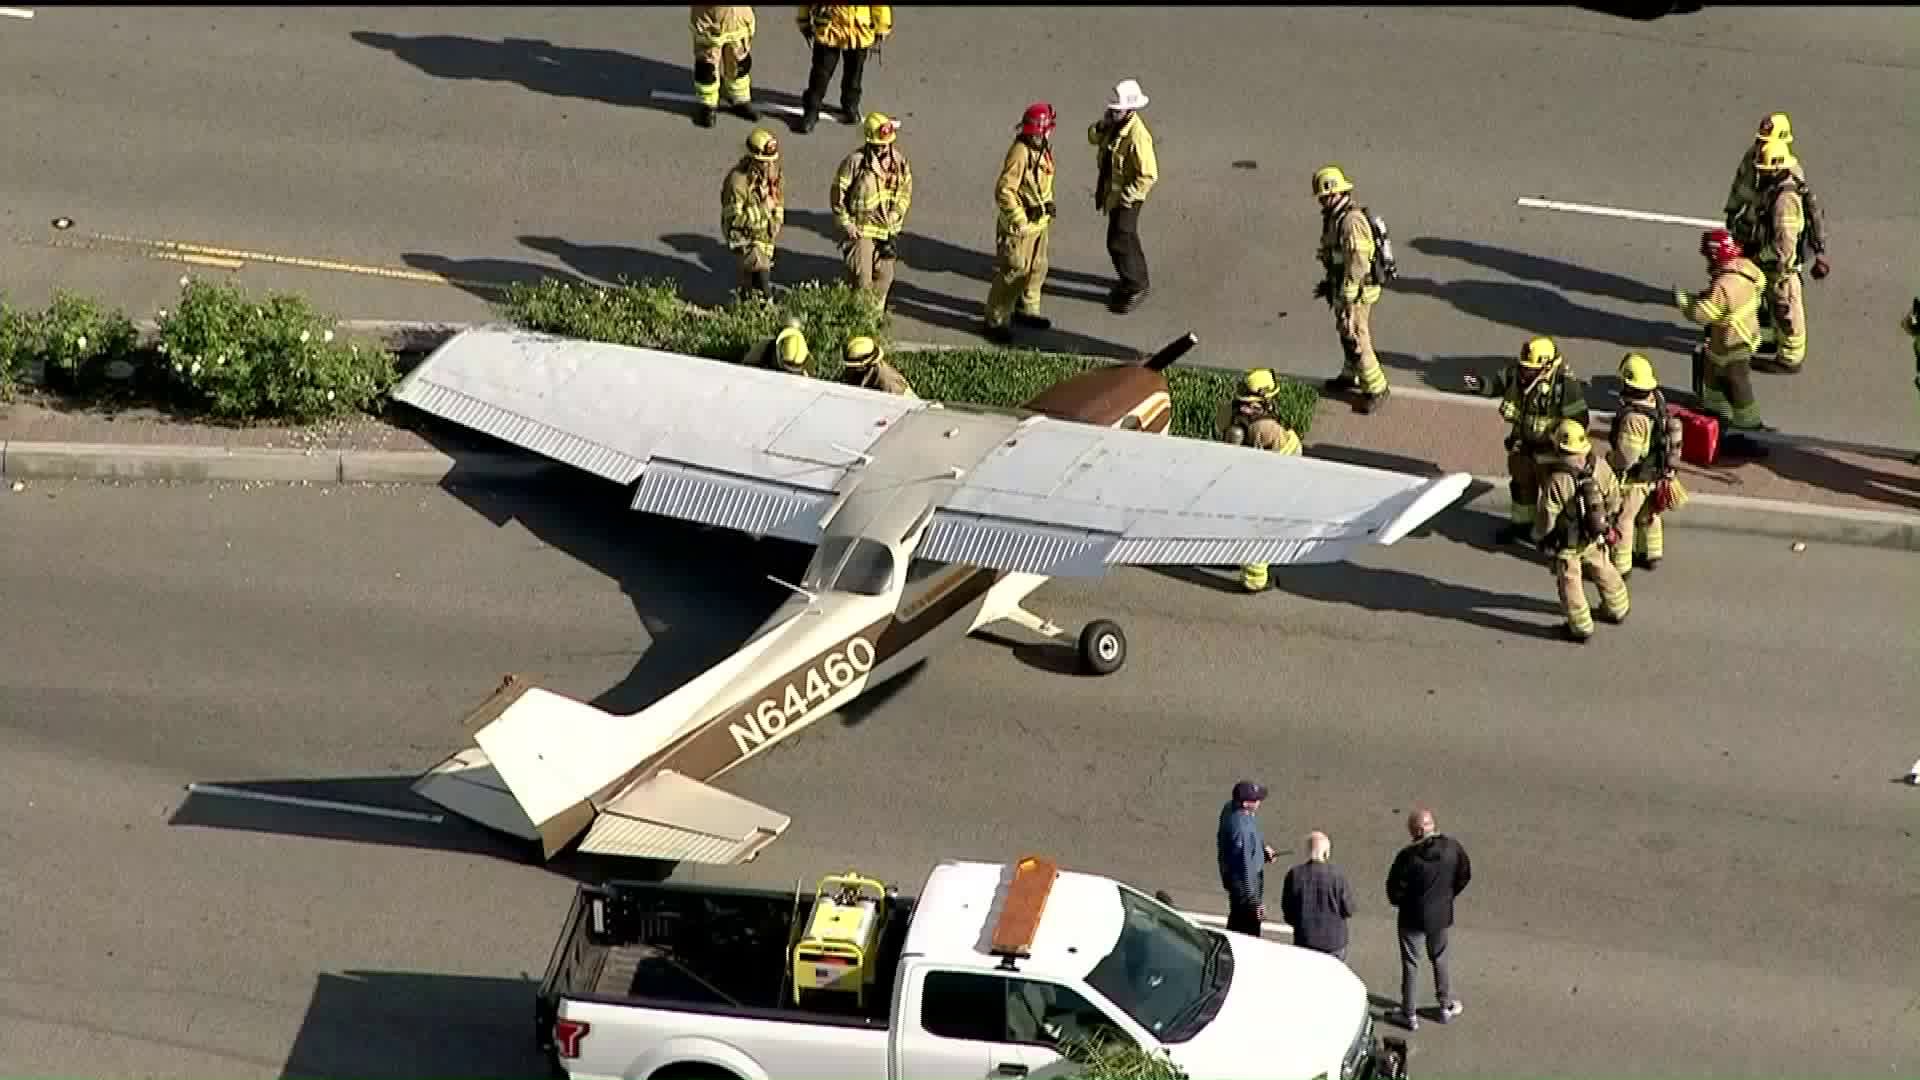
x=1759 y=517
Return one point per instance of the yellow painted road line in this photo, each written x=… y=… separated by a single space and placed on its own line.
x=238 y=257
x=198 y=260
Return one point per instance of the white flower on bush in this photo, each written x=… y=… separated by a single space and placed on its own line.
x=305 y=337
x=163 y=348
x=80 y=342
x=163 y=313
x=220 y=361
x=184 y=280
x=327 y=337
x=196 y=367
x=329 y=395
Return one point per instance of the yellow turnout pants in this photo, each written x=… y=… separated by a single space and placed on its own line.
x=1728 y=393
x=1019 y=270
x=1788 y=301
x=715 y=61
x=1354 y=323
x=1570 y=569
x=1638 y=522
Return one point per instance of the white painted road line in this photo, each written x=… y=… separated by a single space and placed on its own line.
x=17 y=12
x=1609 y=211
x=1220 y=921
x=763 y=106
x=316 y=804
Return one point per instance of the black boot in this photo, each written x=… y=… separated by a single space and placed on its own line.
x=999 y=335
x=1340 y=384
x=1031 y=321
x=704 y=116
x=762 y=283
x=744 y=110
x=809 y=116
x=850 y=110
x=1371 y=403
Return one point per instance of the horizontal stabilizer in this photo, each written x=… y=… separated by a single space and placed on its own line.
x=671 y=817
x=468 y=784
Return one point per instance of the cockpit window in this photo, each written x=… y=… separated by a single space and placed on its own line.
x=851 y=564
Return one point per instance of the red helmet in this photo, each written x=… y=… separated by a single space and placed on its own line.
x=1719 y=247
x=1037 y=120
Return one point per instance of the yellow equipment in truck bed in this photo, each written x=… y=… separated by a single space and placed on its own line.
x=837 y=952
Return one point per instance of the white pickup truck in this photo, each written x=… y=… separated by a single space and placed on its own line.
x=993 y=971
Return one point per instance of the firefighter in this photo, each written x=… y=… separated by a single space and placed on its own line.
x=753 y=207
x=1730 y=312
x=1740 y=195
x=1644 y=444
x=1349 y=286
x=1911 y=324
x=1024 y=196
x=785 y=351
x=1536 y=394
x=872 y=192
x=722 y=46
x=1128 y=170
x=840 y=32
x=1251 y=418
x=1579 y=500
x=1777 y=241
x=867 y=367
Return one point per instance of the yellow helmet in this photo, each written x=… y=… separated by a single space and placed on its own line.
x=1774 y=157
x=1329 y=180
x=1538 y=353
x=1258 y=381
x=1637 y=372
x=880 y=129
x=1775 y=126
x=862 y=352
x=763 y=146
x=1571 y=437
x=791 y=347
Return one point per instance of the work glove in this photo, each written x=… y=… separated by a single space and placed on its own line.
x=1820 y=268
x=1324 y=291
x=888 y=249
x=1681 y=298
x=1613 y=536
x=1051 y=210
x=1512 y=443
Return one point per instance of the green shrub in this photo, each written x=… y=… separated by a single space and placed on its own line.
x=277 y=358
x=651 y=315
x=1115 y=1059
x=16 y=348
x=79 y=341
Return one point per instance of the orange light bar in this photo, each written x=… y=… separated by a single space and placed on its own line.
x=1033 y=879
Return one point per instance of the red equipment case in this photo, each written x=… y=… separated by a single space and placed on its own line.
x=1699 y=436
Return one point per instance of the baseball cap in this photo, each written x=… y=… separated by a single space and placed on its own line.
x=1248 y=791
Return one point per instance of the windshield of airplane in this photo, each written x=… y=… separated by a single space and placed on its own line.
x=1163 y=971
x=852 y=564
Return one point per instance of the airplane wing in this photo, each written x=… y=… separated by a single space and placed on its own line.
x=717 y=443
x=1069 y=500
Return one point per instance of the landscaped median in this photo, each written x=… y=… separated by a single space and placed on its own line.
x=222 y=357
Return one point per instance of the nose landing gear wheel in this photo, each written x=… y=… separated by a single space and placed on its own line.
x=1103 y=648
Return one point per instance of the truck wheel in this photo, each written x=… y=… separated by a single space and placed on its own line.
x=1103 y=648
x=693 y=1072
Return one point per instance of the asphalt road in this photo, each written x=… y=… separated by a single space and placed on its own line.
x=499 y=143
x=1690 y=852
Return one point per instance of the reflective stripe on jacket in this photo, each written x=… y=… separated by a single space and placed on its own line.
x=1535 y=412
x=752 y=208
x=1730 y=309
x=1024 y=188
x=845 y=26
x=1559 y=506
x=1346 y=250
x=871 y=194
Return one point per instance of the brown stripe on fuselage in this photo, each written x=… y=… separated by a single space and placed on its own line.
x=1104 y=396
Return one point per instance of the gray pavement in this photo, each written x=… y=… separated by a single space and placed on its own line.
x=495 y=143
x=1690 y=845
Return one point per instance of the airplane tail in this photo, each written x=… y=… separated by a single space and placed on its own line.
x=548 y=769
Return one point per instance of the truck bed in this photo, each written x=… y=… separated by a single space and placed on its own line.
x=703 y=949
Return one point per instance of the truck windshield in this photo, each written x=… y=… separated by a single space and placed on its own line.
x=1166 y=973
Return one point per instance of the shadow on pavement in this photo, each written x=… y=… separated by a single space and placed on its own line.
x=206 y=810
x=604 y=75
x=1444 y=372
x=1538 y=309
x=1842 y=477
x=398 y=1025
x=486 y=278
x=1476 y=529
x=1563 y=276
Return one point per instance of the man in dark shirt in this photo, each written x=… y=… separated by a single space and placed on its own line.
x=1243 y=856
x=1316 y=901
x=1426 y=876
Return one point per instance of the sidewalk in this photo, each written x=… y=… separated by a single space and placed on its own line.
x=1803 y=489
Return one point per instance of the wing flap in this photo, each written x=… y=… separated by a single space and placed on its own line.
x=731 y=501
x=674 y=818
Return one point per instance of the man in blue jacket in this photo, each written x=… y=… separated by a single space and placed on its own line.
x=1243 y=856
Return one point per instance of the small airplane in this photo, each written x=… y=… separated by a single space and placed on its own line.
x=930 y=521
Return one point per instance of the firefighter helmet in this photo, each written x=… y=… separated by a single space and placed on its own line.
x=880 y=129
x=1774 y=157
x=1571 y=437
x=791 y=348
x=1775 y=126
x=1719 y=246
x=763 y=146
x=1258 y=381
x=862 y=352
x=1538 y=353
x=1329 y=180
x=1636 y=372
x=1037 y=120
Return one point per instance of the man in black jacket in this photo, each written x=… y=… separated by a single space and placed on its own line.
x=1316 y=901
x=1426 y=876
